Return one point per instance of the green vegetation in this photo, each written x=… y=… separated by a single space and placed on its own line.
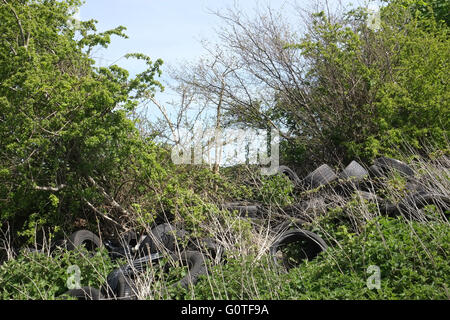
x=389 y=87
x=35 y=275
x=409 y=269
x=64 y=122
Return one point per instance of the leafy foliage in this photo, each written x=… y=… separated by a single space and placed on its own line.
x=70 y=151
x=373 y=91
x=64 y=121
x=412 y=257
x=41 y=276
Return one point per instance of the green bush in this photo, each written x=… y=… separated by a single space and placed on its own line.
x=412 y=257
x=39 y=276
x=276 y=190
x=371 y=92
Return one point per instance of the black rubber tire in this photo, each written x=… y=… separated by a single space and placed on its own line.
x=375 y=171
x=419 y=200
x=353 y=170
x=112 y=281
x=130 y=238
x=127 y=242
x=195 y=260
x=85 y=293
x=126 y=288
x=314 y=244
x=414 y=186
x=321 y=176
x=118 y=287
x=161 y=238
x=389 y=208
x=147 y=247
x=389 y=164
x=410 y=204
x=84 y=237
x=352 y=178
x=286 y=225
x=207 y=246
x=290 y=174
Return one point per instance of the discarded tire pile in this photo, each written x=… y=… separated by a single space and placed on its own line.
x=143 y=252
x=148 y=249
x=353 y=178
x=356 y=178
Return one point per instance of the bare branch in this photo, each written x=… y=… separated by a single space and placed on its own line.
x=102 y=214
x=22 y=33
x=166 y=117
x=110 y=199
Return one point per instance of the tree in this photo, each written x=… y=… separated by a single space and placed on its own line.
x=66 y=140
x=336 y=89
x=204 y=84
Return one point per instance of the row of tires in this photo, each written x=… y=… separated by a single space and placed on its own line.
x=325 y=174
x=355 y=177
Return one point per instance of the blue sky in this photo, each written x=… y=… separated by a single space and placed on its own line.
x=166 y=29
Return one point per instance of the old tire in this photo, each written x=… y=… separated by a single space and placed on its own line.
x=196 y=264
x=419 y=200
x=390 y=164
x=352 y=179
x=286 y=225
x=290 y=174
x=311 y=245
x=207 y=246
x=166 y=236
x=375 y=171
x=120 y=281
x=321 y=176
x=84 y=237
x=162 y=237
x=111 y=288
x=126 y=288
x=130 y=238
x=353 y=170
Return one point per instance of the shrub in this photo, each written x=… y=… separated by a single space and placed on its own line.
x=41 y=276
x=412 y=257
